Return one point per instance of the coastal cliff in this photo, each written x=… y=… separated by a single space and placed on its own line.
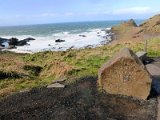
x=130 y=31
x=24 y=79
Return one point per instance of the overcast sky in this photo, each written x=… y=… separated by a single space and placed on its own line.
x=19 y=12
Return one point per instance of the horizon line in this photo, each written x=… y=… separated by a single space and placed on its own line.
x=34 y=24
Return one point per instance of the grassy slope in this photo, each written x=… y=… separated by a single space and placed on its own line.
x=24 y=71
x=55 y=65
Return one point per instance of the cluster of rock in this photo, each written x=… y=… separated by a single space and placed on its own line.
x=13 y=42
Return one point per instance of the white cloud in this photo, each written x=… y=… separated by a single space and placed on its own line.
x=133 y=10
x=96 y=13
x=55 y=14
x=48 y=15
x=69 y=14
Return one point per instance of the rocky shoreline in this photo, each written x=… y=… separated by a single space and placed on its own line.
x=12 y=43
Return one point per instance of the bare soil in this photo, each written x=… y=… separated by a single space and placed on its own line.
x=78 y=101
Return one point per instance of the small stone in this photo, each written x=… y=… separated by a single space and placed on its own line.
x=56 y=85
x=59 y=40
x=82 y=35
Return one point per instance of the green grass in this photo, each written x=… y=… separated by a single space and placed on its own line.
x=45 y=67
x=153 y=47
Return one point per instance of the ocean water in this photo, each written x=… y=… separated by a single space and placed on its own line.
x=46 y=34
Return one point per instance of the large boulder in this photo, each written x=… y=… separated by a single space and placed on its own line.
x=126 y=75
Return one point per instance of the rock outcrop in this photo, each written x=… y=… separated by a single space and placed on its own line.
x=131 y=22
x=12 y=42
x=126 y=75
x=2 y=40
x=125 y=31
x=124 y=25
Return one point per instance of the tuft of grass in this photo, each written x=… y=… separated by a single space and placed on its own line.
x=153 y=48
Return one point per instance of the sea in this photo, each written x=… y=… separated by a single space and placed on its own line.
x=77 y=35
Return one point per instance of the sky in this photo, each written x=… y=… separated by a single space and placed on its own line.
x=24 y=12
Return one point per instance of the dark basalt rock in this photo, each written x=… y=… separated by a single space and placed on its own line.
x=13 y=41
x=59 y=40
x=2 y=40
x=3 y=45
x=29 y=39
x=22 y=43
x=82 y=35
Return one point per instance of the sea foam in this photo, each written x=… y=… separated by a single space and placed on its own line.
x=91 y=37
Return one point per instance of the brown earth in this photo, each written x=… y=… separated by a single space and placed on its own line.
x=78 y=101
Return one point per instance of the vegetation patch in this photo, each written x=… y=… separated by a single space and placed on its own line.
x=34 y=70
x=44 y=67
x=11 y=74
